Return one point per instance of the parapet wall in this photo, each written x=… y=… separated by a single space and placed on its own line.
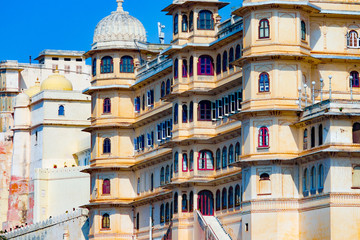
x=71 y=226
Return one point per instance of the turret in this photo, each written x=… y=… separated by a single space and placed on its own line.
x=194 y=21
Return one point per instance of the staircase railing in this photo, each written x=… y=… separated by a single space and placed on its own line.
x=168 y=234
x=209 y=232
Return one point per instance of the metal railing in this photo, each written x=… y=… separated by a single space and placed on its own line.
x=309 y=95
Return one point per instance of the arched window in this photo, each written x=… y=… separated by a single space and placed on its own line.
x=137 y=221
x=224 y=198
x=225 y=61
x=171 y=210
x=205 y=20
x=353 y=40
x=191 y=66
x=127 y=64
x=218 y=200
x=176 y=112
x=171 y=171
x=191 y=21
x=167 y=174
x=264 y=82
x=162 y=91
x=176 y=202
x=356 y=177
x=231 y=58
x=205 y=160
x=237 y=195
x=237 y=152
x=107 y=105
x=138 y=186
x=176 y=24
x=137 y=104
x=184 y=23
x=167 y=213
x=191 y=112
x=238 y=52
x=105 y=221
x=356 y=132
x=303 y=31
x=321 y=178
x=320 y=136
x=143 y=102
x=305 y=139
x=231 y=197
x=191 y=162
x=61 y=111
x=205 y=65
x=264 y=184
x=184 y=162
x=168 y=87
x=184 y=68
x=204 y=111
x=191 y=202
x=305 y=182
x=264 y=176
x=184 y=113
x=176 y=68
x=313 y=180
x=152 y=182
x=218 y=159
x=176 y=162
x=263 y=137
x=355 y=79
x=162 y=213
x=94 y=67
x=224 y=157
x=231 y=154
x=107 y=65
x=264 y=28
x=218 y=64
x=312 y=137
x=107 y=145
x=162 y=176
x=106 y=186
x=184 y=207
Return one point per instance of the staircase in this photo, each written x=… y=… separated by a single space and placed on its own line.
x=213 y=228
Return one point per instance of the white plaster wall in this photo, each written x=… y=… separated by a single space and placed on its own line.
x=60 y=190
x=59 y=143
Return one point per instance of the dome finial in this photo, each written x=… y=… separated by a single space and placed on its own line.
x=120 y=7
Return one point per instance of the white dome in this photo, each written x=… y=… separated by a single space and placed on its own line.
x=118 y=30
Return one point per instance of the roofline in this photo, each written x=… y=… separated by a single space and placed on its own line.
x=270 y=2
x=65 y=53
x=169 y=9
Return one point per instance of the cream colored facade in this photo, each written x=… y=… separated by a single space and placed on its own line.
x=45 y=177
x=245 y=129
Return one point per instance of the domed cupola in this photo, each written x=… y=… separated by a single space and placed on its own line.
x=56 y=82
x=119 y=30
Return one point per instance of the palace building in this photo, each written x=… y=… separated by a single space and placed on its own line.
x=247 y=128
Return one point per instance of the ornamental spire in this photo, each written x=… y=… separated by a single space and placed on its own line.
x=120 y=7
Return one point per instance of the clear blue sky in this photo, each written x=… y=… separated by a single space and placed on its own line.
x=29 y=27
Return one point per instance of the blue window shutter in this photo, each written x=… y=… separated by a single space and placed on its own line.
x=152 y=139
x=135 y=144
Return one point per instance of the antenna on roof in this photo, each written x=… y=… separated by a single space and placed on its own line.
x=161 y=33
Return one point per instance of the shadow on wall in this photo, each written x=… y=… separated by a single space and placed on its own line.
x=86 y=229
